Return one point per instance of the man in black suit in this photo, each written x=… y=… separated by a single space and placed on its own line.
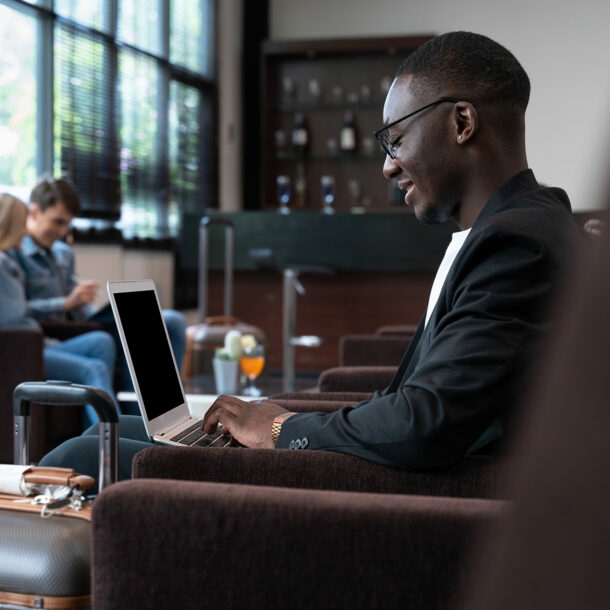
x=454 y=139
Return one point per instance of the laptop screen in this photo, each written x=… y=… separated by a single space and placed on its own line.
x=150 y=351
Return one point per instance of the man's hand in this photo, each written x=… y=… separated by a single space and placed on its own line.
x=249 y=423
x=84 y=292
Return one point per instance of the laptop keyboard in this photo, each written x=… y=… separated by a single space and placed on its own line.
x=194 y=436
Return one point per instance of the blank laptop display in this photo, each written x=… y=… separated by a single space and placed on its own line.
x=153 y=368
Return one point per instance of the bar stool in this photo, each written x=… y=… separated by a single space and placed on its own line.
x=264 y=258
x=292 y=285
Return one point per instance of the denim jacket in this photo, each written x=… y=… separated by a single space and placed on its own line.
x=49 y=278
x=13 y=306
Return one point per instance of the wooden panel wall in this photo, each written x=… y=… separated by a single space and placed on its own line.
x=334 y=305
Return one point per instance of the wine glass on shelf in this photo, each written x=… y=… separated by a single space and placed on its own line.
x=252 y=362
x=283 y=188
x=327 y=186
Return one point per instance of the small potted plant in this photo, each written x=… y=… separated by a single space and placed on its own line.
x=226 y=363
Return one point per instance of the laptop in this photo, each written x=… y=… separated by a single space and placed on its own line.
x=154 y=373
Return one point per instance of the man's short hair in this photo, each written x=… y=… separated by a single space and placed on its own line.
x=472 y=66
x=49 y=191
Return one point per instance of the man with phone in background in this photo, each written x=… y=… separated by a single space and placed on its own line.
x=53 y=290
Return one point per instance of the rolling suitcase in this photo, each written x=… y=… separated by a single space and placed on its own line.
x=45 y=516
x=202 y=339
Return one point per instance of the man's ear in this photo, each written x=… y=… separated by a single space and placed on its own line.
x=466 y=120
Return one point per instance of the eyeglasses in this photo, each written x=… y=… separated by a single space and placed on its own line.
x=383 y=136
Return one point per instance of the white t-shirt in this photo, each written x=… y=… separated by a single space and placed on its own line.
x=456 y=243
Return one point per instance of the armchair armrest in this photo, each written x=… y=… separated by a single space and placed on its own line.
x=350 y=397
x=214 y=545
x=318 y=401
x=66 y=330
x=474 y=476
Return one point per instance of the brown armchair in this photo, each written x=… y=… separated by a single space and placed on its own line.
x=214 y=511
x=259 y=542
x=236 y=528
x=21 y=359
x=371 y=350
x=186 y=544
x=367 y=362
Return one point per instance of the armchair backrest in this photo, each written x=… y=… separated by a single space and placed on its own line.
x=21 y=359
x=554 y=551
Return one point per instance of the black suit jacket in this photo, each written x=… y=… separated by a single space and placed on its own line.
x=462 y=375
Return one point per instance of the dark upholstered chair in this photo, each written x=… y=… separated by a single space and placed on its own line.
x=182 y=544
x=554 y=551
x=372 y=350
x=367 y=362
x=221 y=525
x=21 y=359
x=360 y=379
x=254 y=544
x=430 y=521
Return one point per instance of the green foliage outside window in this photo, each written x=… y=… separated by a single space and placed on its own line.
x=132 y=105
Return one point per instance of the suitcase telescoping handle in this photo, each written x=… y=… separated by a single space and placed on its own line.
x=65 y=393
x=204 y=226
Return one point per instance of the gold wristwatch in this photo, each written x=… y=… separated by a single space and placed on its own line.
x=277 y=426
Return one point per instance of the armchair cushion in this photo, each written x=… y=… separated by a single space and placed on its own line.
x=191 y=545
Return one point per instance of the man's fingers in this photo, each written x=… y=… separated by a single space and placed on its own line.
x=210 y=419
x=222 y=411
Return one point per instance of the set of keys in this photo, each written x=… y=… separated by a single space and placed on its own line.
x=74 y=498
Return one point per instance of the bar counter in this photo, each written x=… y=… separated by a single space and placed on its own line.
x=361 y=271
x=344 y=241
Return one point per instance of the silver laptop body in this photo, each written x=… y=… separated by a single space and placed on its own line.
x=156 y=379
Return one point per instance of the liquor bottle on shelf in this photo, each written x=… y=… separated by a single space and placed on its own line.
x=300 y=135
x=348 y=136
x=300 y=187
x=282 y=184
x=327 y=188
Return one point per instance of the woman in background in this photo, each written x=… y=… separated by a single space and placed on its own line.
x=87 y=359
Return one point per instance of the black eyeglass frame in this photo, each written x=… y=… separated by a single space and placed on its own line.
x=386 y=145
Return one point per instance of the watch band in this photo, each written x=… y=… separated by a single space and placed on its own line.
x=276 y=427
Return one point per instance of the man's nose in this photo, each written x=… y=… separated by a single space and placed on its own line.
x=390 y=167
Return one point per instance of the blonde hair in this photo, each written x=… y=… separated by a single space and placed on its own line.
x=13 y=214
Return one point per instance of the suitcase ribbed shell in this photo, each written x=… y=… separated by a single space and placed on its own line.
x=44 y=556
